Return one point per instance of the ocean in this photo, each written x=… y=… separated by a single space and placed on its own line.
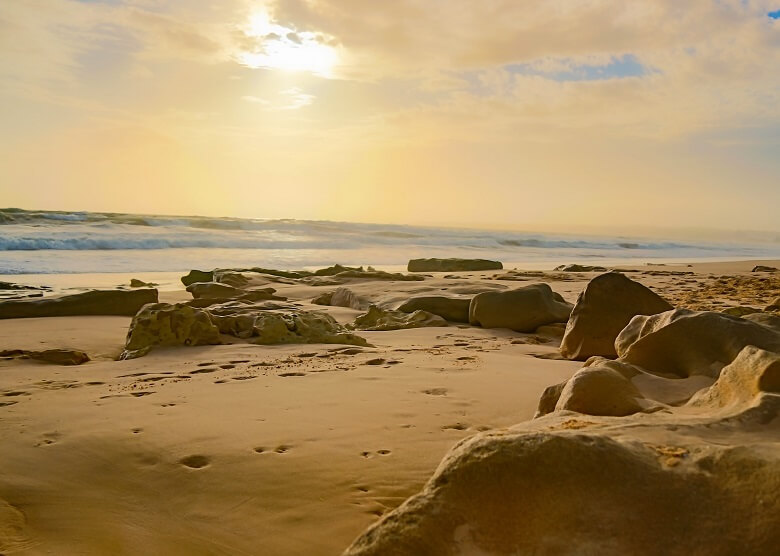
x=56 y=242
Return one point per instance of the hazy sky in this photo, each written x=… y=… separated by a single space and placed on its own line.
x=507 y=113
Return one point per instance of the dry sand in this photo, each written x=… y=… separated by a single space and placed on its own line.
x=244 y=449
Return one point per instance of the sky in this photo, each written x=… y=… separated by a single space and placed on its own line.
x=533 y=115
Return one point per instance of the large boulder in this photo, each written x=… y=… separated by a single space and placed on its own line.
x=383 y=319
x=684 y=343
x=95 y=302
x=602 y=310
x=523 y=310
x=454 y=309
x=163 y=324
x=573 y=492
x=452 y=265
x=197 y=276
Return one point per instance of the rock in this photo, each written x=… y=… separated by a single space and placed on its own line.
x=752 y=372
x=740 y=311
x=571 y=492
x=163 y=324
x=224 y=292
x=305 y=327
x=774 y=306
x=136 y=283
x=382 y=319
x=337 y=269
x=341 y=297
x=684 y=343
x=454 y=309
x=549 y=399
x=16 y=287
x=579 y=268
x=765 y=319
x=601 y=390
x=235 y=279
x=95 y=302
x=762 y=268
x=197 y=276
x=55 y=356
x=554 y=330
x=523 y=310
x=452 y=265
x=602 y=310
x=380 y=275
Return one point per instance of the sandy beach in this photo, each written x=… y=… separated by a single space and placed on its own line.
x=274 y=449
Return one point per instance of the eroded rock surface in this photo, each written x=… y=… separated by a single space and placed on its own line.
x=602 y=310
x=342 y=297
x=384 y=319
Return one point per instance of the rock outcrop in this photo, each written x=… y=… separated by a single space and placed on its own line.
x=136 y=283
x=580 y=268
x=453 y=309
x=215 y=290
x=523 y=310
x=684 y=343
x=96 y=302
x=763 y=268
x=452 y=265
x=602 y=310
x=163 y=324
x=197 y=276
x=383 y=319
x=54 y=356
x=342 y=297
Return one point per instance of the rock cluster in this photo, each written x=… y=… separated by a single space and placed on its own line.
x=602 y=310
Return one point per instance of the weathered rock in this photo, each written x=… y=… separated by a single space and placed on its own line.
x=4 y=286
x=55 y=356
x=380 y=275
x=163 y=324
x=523 y=310
x=136 y=283
x=197 y=276
x=452 y=265
x=769 y=320
x=382 y=319
x=549 y=399
x=684 y=343
x=740 y=311
x=341 y=297
x=337 y=269
x=602 y=310
x=224 y=292
x=753 y=371
x=774 y=306
x=572 y=492
x=96 y=302
x=554 y=330
x=579 y=268
x=601 y=390
x=454 y=309
x=763 y=268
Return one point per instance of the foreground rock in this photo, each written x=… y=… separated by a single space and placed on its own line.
x=197 y=276
x=382 y=319
x=543 y=488
x=453 y=309
x=762 y=268
x=452 y=265
x=163 y=324
x=54 y=356
x=602 y=310
x=685 y=343
x=96 y=302
x=523 y=310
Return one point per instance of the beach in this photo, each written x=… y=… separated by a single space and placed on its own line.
x=275 y=449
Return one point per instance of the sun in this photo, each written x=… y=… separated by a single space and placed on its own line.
x=283 y=48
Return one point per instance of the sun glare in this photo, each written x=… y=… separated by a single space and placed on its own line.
x=283 y=48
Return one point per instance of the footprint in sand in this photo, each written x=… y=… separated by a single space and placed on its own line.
x=6 y=404
x=137 y=431
x=204 y=371
x=456 y=427
x=205 y=364
x=292 y=374
x=435 y=391
x=236 y=362
x=377 y=361
x=282 y=449
x=15 y=393
x=141 y=394
x=195 y=462
x=260 y=449
x=227 y=366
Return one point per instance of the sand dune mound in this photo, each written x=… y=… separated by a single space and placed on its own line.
x=602 y=310
x=523 y=309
